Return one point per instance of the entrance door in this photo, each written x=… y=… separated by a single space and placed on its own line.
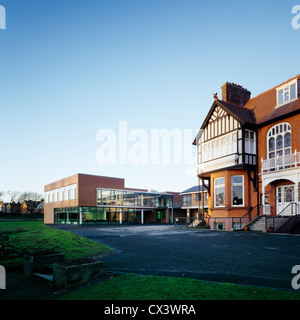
x=285 y=195
x=158 y=216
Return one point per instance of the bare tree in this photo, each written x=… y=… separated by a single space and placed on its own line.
x=2 y=193
x=13 y=195
x=27 y=196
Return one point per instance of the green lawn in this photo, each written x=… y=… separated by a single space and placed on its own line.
x=137 y=287
x=24 y=237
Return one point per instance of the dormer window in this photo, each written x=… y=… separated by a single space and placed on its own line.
x=287 y=93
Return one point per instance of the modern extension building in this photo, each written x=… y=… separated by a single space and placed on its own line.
x=248 y=152
x=86 y=199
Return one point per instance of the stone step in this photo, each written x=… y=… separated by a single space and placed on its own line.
x=260 y=224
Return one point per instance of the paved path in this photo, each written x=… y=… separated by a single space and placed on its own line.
x=238 y=257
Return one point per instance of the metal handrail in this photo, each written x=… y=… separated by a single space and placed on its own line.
x=290 y=204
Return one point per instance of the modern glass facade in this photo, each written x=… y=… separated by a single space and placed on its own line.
x=67 y=215
x=108 y=197
x=119 y=207
x=97 y=215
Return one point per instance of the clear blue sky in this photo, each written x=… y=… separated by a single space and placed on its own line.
x=72 y=68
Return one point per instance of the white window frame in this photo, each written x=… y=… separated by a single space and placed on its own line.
x=250 y=143
x=237 y=184
x=215 y=193
x=61 y=194
x=274 y=135
x=286 y=88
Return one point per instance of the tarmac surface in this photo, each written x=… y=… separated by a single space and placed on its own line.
x=249 y=258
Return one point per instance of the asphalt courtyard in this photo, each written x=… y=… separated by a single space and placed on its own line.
x=239 y=257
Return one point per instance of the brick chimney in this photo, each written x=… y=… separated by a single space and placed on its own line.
x=235 y=94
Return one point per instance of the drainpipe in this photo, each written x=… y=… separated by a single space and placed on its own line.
x=257 y=175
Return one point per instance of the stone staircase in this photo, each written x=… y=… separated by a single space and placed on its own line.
x=260 y=224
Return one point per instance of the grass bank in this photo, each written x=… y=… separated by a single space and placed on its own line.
x=25 y=237
x=138 y=287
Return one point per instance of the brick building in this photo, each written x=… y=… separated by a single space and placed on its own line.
x=87 y=199
x=194 y=202
x=248 y=153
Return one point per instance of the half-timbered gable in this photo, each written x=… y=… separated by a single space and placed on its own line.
x=226 y=138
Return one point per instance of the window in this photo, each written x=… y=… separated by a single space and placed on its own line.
x=61 y=194
x=219 y=225
x=287 y=93
x=237 y=190
x=250 y=142
x=219 y=191
x=187 y=200
x=279 y=140
x=218 y=148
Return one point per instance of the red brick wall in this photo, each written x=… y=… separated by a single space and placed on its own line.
x=230 y=211
x=294 y=121
x=49 y=207
x=270 y=189
x=86 y=193
x=88 y=185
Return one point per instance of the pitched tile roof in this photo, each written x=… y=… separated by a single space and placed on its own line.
x=263 y=106
x=258 y=110
x=194 y=189
x=243 y=114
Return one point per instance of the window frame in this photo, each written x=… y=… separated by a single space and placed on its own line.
x=286 y=89
x=274 y=132
x=215 y=193
x=238 y=184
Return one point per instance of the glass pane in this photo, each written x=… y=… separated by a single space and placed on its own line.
x=237 y=179
x=220 y=196
x=286 y=95
x=272 y=155
x=287 y=140
x=279 y=142
x=279 y=194
x=280 y=97
x=288 y=194
x=220 y=181
x=105 y=197
x=237 y=195
x=272 y=144
x=279 y=153
x=293 y=91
